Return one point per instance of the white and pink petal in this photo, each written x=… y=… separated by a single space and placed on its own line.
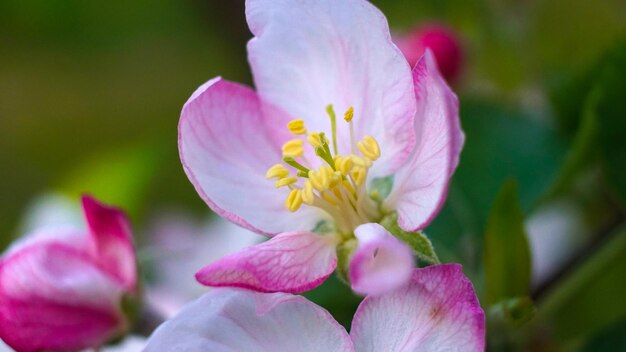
x=437 y=311
x=380 y=263
x=228 y=139
x=421 y=184
x=289 y=262
x=241 y=320
x=54 y=296
x=307 y=54
x=112 y=241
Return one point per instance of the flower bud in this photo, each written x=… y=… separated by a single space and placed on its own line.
x=62 y=289
x=443 y=43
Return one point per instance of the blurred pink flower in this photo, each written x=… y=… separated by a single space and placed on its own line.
x=178 y=245
x=61 y=289
x=307 y=59
x=441 y=40
x=437 y=311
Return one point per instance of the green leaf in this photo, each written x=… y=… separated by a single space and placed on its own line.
x=591 y=297
x=610 y=110
x=611 y=339
x=503 y=143
x=603 y=126
x=421 y=245
x=506 y=255
x=583 y=151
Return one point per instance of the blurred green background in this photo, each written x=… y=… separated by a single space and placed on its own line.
x=91 y=91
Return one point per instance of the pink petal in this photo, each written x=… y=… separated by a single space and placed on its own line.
x=111 y=233
x=421 y=185
x=438 y=311
x=241 y=320
x=380 y=263
x=308 y=54
x=226 y=146
x=53 y=296
x=289 y=262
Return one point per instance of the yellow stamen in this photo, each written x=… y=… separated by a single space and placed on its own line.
x=330 y=199
x=307 y=193
x=349 y=114
x=278 y=171
x=343 y=165
x=369 y=148
x=293 y=148
x=333 y=125
x=294 y=200
x=285 y=181
x=335 y=179
x=361 y=162
x=320 y=180
x=359 y=174
x=348 y=186
x=296 y=127
x=315 y=139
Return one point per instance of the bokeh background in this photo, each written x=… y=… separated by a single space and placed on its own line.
x=91 y=91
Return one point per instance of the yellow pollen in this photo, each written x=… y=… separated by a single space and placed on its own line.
x=325 y=178
x=307 y=193
x=293 y=148
x=359 y=174
x=294 y=200
x=349 y=114
x=369 y=148
x=343 y=165
x=320 y=180
x=285 y=181
x=315 y=139
x=296 y=127
x=361 y=162
x=335 y=179
x=279 y=171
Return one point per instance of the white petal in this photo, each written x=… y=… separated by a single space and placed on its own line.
x=241 y=320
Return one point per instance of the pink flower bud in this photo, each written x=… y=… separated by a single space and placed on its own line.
x=62 y=289
x=442 y=41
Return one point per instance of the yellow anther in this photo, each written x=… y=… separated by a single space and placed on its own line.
x=278 y=171
x=296 y=127
x=369 y=147
x=359 y=174
x=307 y=193
x=343 y=165
x=360 y=162
x=335 y=178
x=285 y=181
x=315 y=139
x=293 y=148
x=349 y=114
x=294 y=200
x=320 y=180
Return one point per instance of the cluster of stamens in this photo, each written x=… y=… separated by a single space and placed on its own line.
x=337 y=185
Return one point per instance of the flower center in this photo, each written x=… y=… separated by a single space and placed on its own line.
x=337 y=186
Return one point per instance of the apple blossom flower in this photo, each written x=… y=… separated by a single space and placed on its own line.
x=62 y=289
x=333 y=177
x=437 y=311
x=441 y=40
